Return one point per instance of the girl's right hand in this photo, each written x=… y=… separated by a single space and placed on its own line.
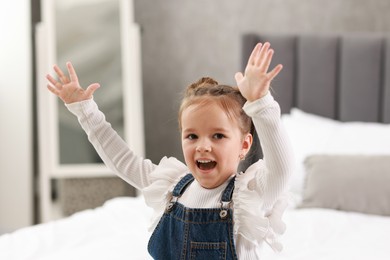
x=67 y=88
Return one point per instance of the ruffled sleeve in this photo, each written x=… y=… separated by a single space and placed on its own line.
x=163 y=179
x=252 y=222
x=260 y=193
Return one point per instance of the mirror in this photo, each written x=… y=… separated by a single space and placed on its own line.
x=88 y=34
x=102 y=41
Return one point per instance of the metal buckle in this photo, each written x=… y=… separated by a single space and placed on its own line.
x=171 y=204
x=225 y=205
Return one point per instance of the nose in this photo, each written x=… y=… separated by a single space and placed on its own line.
x=203 y=146
x=203 y=149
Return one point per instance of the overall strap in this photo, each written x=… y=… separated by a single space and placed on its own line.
x=227 y=199
x=182 y=185
x=228 y=192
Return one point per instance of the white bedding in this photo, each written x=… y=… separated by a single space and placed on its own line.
x=118 y=230
x=334 y=235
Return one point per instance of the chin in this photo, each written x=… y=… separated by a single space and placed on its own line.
x=208 y=184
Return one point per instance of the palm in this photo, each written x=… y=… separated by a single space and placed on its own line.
x=256 y=81
x=67 y=88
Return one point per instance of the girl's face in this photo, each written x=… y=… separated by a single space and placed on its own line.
x=212 y=144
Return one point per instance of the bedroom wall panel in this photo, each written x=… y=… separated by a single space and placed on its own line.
x=317 y=74
x=364 y=78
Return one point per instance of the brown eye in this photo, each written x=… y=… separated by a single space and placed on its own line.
x=218 y=136
x=192 y=136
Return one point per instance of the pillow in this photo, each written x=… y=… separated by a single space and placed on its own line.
x=312 y=134
x=344 y=137
x=359 y=183
x=308 y=135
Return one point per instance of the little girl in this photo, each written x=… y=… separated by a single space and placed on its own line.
x=204 y=209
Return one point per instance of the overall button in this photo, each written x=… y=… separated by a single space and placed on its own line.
x=170 y=206
x=223 y=214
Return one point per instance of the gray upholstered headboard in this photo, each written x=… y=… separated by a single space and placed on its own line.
x=344 y=77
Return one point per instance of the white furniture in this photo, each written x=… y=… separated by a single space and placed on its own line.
x=48 y=110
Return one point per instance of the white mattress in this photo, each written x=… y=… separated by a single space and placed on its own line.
x=118 y=230
x=333 y=235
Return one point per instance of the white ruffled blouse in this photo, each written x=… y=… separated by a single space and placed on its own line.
x=259 y=198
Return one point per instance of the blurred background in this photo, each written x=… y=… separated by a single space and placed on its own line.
x=181 y=41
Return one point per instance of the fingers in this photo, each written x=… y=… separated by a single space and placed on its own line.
x=54 y=85
x=72 y=72
x=263 y=55
x=62 y=77
x=266 y=60
x=53 y=90
x=258 y=54
x=91 y=89
x=272 y=74
x=254 y=54
x=238 y=77
x=54 y=82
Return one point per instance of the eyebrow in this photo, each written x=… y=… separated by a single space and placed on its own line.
x=218 y=129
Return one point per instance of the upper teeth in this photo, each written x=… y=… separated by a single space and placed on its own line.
x=204 y=161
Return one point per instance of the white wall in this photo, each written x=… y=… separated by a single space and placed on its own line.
x=15 y=115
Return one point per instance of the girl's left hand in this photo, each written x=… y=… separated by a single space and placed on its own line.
x=255 y=83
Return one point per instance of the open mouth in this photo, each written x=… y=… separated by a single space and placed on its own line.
x=206 y=164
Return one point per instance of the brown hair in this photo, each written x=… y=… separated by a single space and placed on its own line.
x=207 y=90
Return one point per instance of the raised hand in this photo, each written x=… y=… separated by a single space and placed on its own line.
x=67 y=88
x=255 y=82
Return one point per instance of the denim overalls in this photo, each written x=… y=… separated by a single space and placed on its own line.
x=196 y=234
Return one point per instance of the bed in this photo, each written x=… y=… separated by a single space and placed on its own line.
x=334 y=92
x=117 y=230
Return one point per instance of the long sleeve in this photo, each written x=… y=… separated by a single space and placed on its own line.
x=259 y=195
x=278 y=157
x=112 y=149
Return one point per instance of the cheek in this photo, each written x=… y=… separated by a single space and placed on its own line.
x=187 y=151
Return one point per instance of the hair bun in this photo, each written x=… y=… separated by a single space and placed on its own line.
x=204 y=82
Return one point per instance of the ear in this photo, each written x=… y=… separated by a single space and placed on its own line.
x=247 y=143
